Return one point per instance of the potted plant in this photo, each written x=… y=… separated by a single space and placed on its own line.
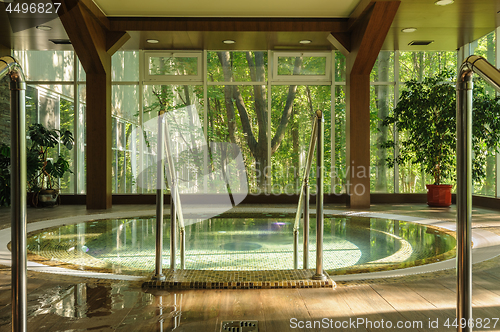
x=426 y=113
x=43 y=173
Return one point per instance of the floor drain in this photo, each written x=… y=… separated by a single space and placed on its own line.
x=240 y=326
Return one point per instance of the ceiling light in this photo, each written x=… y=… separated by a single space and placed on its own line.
x=408 y=30
x=229 y=41
x=43 y=27
x=305 y=41
x=152 y=41
x=444 y=2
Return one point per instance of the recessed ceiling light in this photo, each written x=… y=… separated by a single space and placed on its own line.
x=444 y=2
x=152 y=41
x=229 y=41
x=408 y=30
x=43 y=27
x=305 y=41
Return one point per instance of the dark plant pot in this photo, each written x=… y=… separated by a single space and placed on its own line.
x=43 y=198
x=439 y=195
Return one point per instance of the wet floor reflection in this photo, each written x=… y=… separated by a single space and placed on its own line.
x=98 y=307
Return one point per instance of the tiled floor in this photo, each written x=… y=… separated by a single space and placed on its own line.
x=76 y=303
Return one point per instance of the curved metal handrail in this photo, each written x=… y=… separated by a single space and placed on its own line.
x=317 y=137
x=479 y=65
x=10 y=66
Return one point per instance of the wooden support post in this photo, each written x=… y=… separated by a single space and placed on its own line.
x=361 y=46
x=94 y=43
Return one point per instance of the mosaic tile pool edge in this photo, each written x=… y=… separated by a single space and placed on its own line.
x=200 y=279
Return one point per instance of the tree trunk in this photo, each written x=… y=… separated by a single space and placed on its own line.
x=383 y=112
x=296 y=152
x=232 y=95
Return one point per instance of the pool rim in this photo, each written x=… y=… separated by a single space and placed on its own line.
x=363 y=268
x=486 y=244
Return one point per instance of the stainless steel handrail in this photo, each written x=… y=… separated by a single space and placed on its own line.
x=159 y=203
x=9 y=66
x=320 y=149
x=174 y=192
x=300 y=206
x=317 y=137
x=479 y=65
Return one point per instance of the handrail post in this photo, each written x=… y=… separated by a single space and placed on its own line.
x=173 y=227
x=305 y=180
x=320 y=275
x=175 y=206
x=464 y=199
x=19 y=278
x=159 y=202
x=295 y=249
x=306 y=226
x=480 y=66
x=183 y=247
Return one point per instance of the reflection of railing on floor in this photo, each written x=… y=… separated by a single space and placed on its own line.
x=317 y=140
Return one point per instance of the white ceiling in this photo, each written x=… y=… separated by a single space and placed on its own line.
x=229 y=8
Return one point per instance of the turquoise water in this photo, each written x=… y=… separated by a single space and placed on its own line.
x=264 y=242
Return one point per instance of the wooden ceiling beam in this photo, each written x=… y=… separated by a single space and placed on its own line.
x=96 y=13
x=368 y=36
x=341 y=41
x=115 y=40
x=361 y=9
x=86 y=27
x=227 y=24
x=86 y=35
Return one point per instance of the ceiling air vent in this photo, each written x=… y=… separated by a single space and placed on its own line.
x=421 y=42
x=61 y=41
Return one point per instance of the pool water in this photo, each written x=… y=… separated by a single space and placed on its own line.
x=261 y=242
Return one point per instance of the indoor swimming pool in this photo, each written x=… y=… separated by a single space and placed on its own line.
x=258 y=242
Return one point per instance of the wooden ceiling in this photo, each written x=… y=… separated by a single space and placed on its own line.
x=448 y=27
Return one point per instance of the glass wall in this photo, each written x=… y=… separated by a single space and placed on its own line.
x=262 y=101
x=51 y=101
x=417 y=65
x=486 y=47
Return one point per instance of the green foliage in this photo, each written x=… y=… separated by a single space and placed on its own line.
x=426 y=112
x=43 y=173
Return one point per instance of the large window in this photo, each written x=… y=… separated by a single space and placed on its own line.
x=51 y=101
x=485 y=47
x=262 y=101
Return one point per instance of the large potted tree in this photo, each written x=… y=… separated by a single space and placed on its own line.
x=426 y=113
x=43 y=172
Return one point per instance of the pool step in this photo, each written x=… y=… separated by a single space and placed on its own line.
x=207 y=279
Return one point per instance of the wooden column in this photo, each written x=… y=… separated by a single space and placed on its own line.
x=368 y=28
x=88 y=30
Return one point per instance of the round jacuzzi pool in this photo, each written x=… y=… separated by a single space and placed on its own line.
x=260 y=242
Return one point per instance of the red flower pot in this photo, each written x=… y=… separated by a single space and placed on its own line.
x=439 y=195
